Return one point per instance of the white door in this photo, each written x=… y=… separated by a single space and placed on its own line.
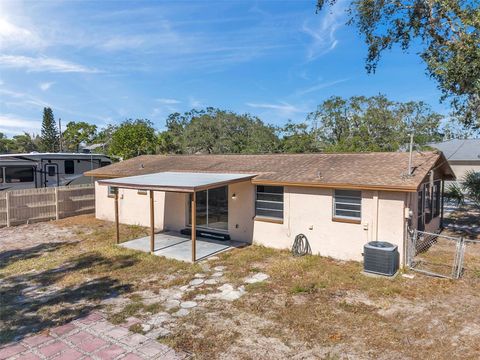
x=51 y=175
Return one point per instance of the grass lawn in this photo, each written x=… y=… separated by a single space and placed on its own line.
x=310 y=307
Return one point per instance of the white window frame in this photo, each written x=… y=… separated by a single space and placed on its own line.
x=280 y=211
x=111 y=191
x=345 y=217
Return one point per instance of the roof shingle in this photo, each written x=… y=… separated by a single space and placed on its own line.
x=361 y=170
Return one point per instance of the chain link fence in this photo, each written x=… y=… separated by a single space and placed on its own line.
x=436 y=254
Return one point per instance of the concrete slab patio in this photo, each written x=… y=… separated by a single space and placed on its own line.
x=174 y=245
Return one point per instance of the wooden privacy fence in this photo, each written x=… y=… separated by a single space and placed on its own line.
x=34 y=205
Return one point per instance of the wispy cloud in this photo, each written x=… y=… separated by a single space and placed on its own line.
x=46 y=64
x=323 y=32
x=21 y=99
x=12 y=124
x=320 y=86
x=282 y=106
x=45 y=85
x=167 y=101
x=195 y=103
x=284 y=109
x=14 y=36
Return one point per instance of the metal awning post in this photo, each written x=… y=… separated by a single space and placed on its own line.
x=194 y=226
x=152 y=223
x=117 y=225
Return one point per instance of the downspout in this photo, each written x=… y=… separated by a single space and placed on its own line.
x=406 y=219
x=375 y=216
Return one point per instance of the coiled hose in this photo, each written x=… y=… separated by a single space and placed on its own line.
x=301 y=246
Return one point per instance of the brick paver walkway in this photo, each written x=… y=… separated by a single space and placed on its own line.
x=91 y=337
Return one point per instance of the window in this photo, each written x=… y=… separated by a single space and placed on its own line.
x=347 y=204
x=104 y=163
x=1 y=175
x=69 y=167
x=51 y=170
x=18 y=174
x=269 y=202
x=112 y=191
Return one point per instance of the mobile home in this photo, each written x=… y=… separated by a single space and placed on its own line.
x=36 y=170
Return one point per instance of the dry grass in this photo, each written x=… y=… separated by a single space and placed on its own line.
x=96 y=239
x=313 y=302
x=311 y=307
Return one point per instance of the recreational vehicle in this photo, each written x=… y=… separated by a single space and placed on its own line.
x=35 y=170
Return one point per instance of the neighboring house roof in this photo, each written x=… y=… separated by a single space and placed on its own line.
x=347 y=170
x=460 y=149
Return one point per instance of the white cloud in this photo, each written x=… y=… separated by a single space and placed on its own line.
x=167 y=101
x=42 y=63
x=45 y=86
x=320 y=86
x=323 y=33
x=12 y=35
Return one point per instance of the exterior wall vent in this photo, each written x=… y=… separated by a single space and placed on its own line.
x=381 y=258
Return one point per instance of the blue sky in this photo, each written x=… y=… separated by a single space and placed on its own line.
x=105 y=61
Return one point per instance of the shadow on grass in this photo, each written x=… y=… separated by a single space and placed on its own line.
x=464 y=222
x=11 y=256
x=31 y=302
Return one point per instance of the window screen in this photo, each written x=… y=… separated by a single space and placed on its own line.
x=269 y=201
x=69 y=167
x=437 y=197
x=18 y=174
x=347 y=204
x=428 y=202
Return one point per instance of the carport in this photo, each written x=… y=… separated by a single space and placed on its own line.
x=180 y=182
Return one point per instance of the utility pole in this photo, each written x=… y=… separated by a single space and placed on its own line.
x=410 y=156
x=60 y=133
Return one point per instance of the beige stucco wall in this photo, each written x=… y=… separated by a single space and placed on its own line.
x=461 y=167
x=241 y=211
x=133 y=209
x=306 y=210
x=171 y=209
x=309 y=211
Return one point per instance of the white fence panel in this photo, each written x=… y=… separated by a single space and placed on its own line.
x=33 y=205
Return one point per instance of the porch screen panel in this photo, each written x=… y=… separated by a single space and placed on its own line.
x=437 y=195
x=269 y=202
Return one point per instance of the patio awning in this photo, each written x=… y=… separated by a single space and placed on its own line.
x=176 y=181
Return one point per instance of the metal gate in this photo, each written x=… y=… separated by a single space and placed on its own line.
x=435 y=254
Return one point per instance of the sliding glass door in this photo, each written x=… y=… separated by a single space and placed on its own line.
x=212 y=209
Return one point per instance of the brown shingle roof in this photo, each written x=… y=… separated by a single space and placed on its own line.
x=349 y=170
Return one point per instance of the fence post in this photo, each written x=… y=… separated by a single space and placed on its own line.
x=7 y=207
x=57 y=217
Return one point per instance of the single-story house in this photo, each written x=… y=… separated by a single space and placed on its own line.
x=340 y=201
x=462 y=154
